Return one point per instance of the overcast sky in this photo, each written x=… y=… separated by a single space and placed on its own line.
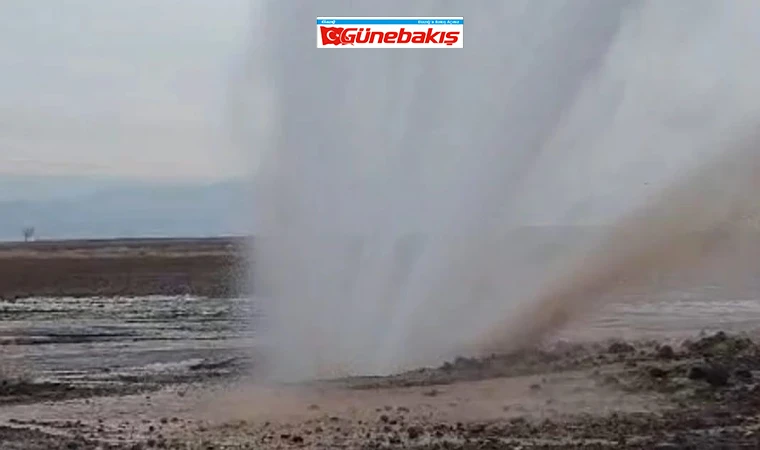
x=122 y=87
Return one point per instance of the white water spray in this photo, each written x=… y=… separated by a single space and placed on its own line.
x=409 y=202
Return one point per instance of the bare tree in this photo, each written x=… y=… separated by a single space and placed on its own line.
x=28 y=234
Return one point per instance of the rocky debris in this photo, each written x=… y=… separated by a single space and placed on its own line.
x=527 y=362
x=721 y=344
x=30 y=439
x=620 y=347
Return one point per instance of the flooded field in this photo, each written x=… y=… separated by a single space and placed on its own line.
x=97 y=340
x=169 y=372
x=103 y=340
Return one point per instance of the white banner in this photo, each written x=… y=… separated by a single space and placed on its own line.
x=390 y=32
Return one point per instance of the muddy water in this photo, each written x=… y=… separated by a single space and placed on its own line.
x=68 y=339
x=94 y=339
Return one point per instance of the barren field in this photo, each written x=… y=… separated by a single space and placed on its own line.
x=207 y=267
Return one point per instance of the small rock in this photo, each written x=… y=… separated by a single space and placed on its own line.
x=620 y=348
x=714 y=375
x=384 y=418
x=313 y=407
x=743 y=375
x=535 y=387
x=717 y=376
x=666 y=352
x=697 y=373
x=656 y=372
x=297 y=439
x=414 y=432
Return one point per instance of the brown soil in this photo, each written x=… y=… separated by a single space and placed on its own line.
x=204 y=267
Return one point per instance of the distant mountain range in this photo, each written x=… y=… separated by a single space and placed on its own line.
x=69 y=207
x=82 y=207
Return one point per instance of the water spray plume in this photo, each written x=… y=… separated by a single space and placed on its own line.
x=679 y=229
x=412 y=205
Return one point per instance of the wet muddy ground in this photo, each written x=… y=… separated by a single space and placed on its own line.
x=702 y=393
x=172 y=371
x=62 y=348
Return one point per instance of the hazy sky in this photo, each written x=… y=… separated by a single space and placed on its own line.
x=123 y=87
